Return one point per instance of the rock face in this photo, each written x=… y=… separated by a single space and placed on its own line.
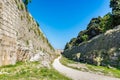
x=20 y=36
x=103 y=49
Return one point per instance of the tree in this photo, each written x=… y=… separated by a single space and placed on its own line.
x=70 y=44
x=67 y=46
x=79 y=38
x=93 y=28
x=85 y=37
x=115 y=5
x=26 y=2
x=106 y=22
x=72 y=41
x=94 y=22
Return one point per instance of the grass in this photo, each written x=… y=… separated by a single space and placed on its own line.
x=114 y=72
x=66 y=61
x=29 y=71
x=105 y=70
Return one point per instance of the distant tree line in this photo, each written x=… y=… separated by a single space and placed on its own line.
x=98 y=25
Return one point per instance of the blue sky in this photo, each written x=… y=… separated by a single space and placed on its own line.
x=61 y=20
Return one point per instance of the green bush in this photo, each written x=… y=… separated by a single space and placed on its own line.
x=85 y=37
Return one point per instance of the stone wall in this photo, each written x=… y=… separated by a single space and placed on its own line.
x=20 y=35
x=8 y=38
x=106 y=46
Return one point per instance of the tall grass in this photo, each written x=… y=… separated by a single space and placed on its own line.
x=29 y=71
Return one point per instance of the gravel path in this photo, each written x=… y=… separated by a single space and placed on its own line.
x=78 y=75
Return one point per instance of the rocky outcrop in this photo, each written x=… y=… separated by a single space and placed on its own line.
x=103 y=49
x=20 y=35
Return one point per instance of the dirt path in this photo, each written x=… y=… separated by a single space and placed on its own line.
x=78 y=75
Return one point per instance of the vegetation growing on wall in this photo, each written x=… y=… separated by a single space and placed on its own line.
x=26 y=2
x=20 y=5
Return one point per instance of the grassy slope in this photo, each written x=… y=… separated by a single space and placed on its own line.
x=91 y=68
x=29 y=71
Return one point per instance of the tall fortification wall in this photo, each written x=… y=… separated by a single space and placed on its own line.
x=20 y=35
x=105 y=47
